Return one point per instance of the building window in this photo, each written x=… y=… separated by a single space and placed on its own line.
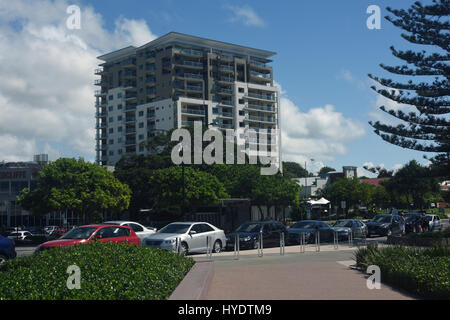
x=111 y=119
x=119 y=107
x=141 y=148
x=111 y=130
x=141 y=124
x=141 y=113
x=241 y=90
x=111 y=153
x=119 y=129
x=241 y=101
x=141 y=137
x=111 y=141
x=111 y=97
x=110 y=108
x=119 y=151
x=119 y=118
x=119 y=95
x=119 y=140
x=241 y=112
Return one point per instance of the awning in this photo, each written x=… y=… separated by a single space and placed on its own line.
x=321 y=201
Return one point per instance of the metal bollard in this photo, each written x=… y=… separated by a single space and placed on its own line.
x=177 y=245
x=336 y=240
x=282 y=243
x=236 y=247
x=350 y=238
x=302 y=241
x=260 y=244
x=208 y=248
x=317 y=241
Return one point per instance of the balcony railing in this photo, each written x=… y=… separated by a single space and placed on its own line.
x=263 y=108
x=193 y=76
x=98 y=71
x=260 y=75
x=131 y=96
x=227 y=91
x=97 y=82
x=226 y=68
x=256 y=118
x=150 y=115
x=191 y=52
x=130 y=142
x=130 y=119
x=225 y=79
x=191 y=64
x=129 y=73
x=130 y=130
x=193 y=111
x=261 y=96
x=226 y=102
x=100 y=93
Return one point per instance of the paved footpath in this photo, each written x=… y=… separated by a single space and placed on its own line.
x=323 y=275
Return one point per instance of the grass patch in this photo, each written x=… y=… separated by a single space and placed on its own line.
x=109 y=271
x=424 y=272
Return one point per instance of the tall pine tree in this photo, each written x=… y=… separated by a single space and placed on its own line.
x=428 y=128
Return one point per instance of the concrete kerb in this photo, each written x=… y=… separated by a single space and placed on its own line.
x=196 y=283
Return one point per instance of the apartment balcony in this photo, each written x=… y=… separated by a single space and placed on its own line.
x=131 y=107
x=193 y=111
x=268 y=97
x=101 y=103
x=101 y=125
x=130 y=119
x=262 y=67
x=260 y=119
x=130 y=130
x=187 y=123
x=128 y=63
x=102 y=147
x=130 y=86
x=226 y=102
x=99 y=71
x=98 y=82
x=150 y=115
x=101 y=114
x=222 y=91
x=100 y=93
x=130 y=96
x=150 y=55
x=190 y=76
x=225 y=125
x=225 y=79
x=189 y=64
x=188 y=52
x=261 y=108
x=100 y=136
x=226 y=57
x=224 y=115
x=130 y=142
x=129 y=74
x=227 y=69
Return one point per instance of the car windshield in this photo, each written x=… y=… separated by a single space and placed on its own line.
x=175 y=228
x=343 y=223
x=249 y=227
x=79 y=233
x=304 y=225
x=429 y=218
x=384 y=219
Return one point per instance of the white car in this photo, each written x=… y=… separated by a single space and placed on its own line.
x=434 y=221
x=192 y=237
x=20 y=235
x=138 y=228
x=50 y=229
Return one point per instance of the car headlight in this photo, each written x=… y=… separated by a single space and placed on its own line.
x=343 y=231
x=169 y=241
x=248 y=238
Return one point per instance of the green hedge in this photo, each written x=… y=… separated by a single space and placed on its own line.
x=432 y=234
x=108 y=271
x=425 y=272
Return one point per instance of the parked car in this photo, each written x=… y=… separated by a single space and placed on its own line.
x=310 y=227
x=94 y=232
x=385 y=225
x=344 y=226
x=56 y=234
x=413 y=222
x=249 y=234
x=7 y=249
x=434 y=221
x=192 y=237
x=138 y=228
x=22 y=236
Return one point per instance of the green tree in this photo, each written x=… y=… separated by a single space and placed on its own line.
x=77 y=186
x=428 y=129
x=413 y=181
x=201 y=188
x=294 y=170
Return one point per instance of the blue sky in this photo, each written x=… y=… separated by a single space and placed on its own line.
x=324 y=53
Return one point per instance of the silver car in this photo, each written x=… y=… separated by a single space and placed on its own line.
x=141 y=231
x=192 y=237
x=434 y=222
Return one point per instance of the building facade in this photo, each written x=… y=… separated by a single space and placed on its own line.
x=178 y=79
x=14 y=177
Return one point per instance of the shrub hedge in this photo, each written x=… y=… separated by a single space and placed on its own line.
x=432 y=234
x=424 y=272
x=109 y=271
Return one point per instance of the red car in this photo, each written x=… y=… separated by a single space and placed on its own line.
x=94 y=232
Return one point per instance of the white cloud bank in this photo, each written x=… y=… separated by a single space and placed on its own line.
x=320 y=133
x=246 y=15
x=46 y=92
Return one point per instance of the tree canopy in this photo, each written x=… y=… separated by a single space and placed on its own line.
x=428 y=128
x=78 y=186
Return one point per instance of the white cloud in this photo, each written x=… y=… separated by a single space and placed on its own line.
x=46 y=95
x=245 y=15
x=319 y=133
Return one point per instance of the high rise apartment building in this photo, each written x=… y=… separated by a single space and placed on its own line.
x=177 y=79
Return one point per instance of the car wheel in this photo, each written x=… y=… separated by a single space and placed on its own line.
x=217 y=246
x=184 y=250
x=389 y=232
x=2 y=259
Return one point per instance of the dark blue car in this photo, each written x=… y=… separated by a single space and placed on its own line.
x=7 y=249
x=250 y=231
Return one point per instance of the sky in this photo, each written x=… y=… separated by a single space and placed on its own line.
x=324 y=52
